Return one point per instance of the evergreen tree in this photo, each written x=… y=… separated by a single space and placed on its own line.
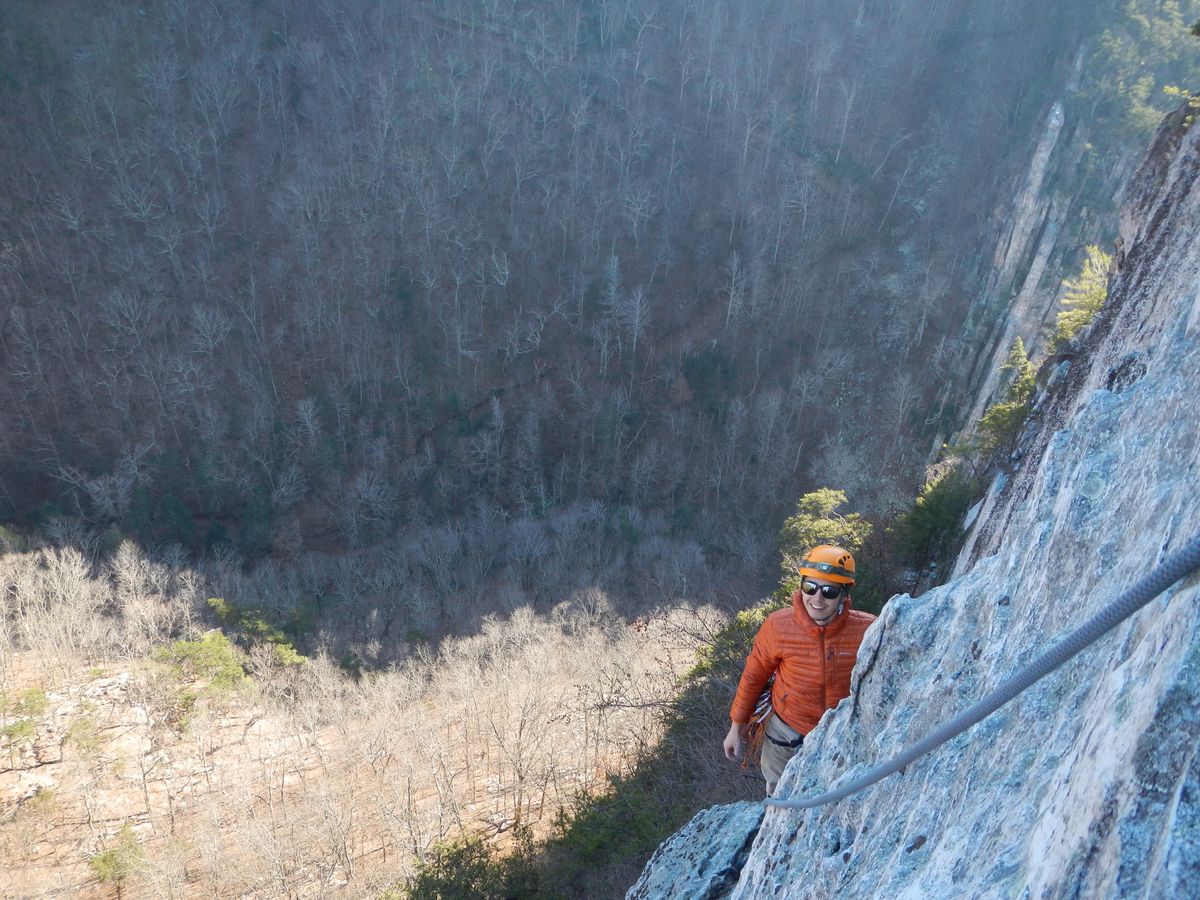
x=1085 y=295
x=817 y=522
x=1004 y=418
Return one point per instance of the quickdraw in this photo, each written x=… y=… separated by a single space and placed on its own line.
x=756 y=729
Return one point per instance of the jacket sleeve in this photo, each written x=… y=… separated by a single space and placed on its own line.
x=760 y=664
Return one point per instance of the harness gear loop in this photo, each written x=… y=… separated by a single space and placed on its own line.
x=791 y=745
x=756 y=728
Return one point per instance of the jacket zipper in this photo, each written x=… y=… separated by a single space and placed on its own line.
x=824 y=674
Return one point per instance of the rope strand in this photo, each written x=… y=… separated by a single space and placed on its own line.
x=1181 y=564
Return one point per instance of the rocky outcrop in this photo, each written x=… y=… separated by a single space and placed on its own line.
x=703 y=861
x=114 y=750
x=1031 y=239
x=1088 y=784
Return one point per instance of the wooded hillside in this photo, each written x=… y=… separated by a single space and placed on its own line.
x=286 y=274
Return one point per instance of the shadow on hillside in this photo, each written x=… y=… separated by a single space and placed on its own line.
x=600 y=850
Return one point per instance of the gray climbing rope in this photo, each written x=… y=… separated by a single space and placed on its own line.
x=1182 y=563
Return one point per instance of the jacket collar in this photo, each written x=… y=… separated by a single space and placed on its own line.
x=806 y=621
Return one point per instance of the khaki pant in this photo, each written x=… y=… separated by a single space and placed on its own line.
x=774 y=758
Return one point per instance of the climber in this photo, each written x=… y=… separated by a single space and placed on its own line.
x=810 y=648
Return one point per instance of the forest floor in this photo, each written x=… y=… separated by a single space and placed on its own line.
x=195 y=795
x=98 y=761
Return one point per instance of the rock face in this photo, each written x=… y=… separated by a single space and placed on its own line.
x=1035 y=229
x=704 y=859
x=1088 y=784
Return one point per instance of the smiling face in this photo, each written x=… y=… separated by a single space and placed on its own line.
x=820 y=605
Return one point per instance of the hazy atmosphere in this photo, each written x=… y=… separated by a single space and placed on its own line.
x=400 y=401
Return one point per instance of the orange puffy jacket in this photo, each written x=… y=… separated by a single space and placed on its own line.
x=812 y=664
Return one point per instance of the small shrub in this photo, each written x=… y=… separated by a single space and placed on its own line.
x=470 y=868
x=1085 y=295
x=84 y=735
x=284 y=654
x=627 y=820
x=1003 y=419
x=18 y=731
x=30 y=702
x=256 y=628
x=180 y=713
x=43 y=801
x=933 y=527
x=226 y=612
x=36 y=809
x=119 y=861
x=1192 y=101
x=24 y=708
x=212 y=657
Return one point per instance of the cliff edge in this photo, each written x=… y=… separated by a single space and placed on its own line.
x=1088 y=784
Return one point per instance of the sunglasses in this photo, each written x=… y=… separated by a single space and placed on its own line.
x=828 y=591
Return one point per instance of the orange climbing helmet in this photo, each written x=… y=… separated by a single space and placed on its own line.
x=829 y=562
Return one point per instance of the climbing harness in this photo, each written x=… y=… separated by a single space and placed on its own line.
x=1171 y=570
x=788 y=745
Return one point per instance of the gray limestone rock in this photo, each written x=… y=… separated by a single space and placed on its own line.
x=703 y=859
